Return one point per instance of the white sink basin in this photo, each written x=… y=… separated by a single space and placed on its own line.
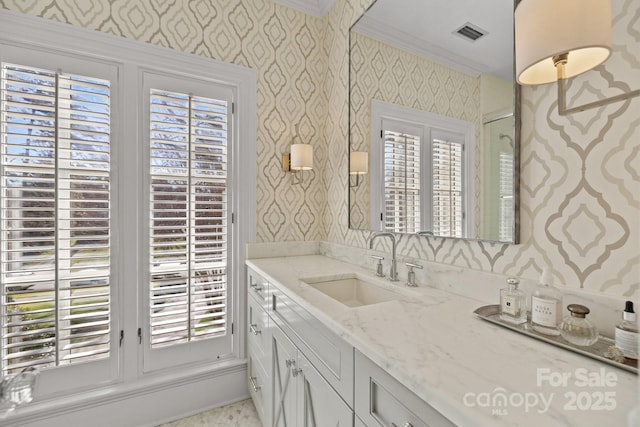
x=352 y=291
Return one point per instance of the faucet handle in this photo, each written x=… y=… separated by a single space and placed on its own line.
x=411 y=275
x=379 y=272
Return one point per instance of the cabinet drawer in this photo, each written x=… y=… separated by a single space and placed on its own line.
x=258 y=338
x=259 y=382
x=330 y=354
x=382 y=401
x=258 y=288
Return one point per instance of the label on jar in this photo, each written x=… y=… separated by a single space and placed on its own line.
x=545 y=312
x=627 y=342
x=510 y=305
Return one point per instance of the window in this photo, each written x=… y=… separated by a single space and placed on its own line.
x=402 y=186
x=447 y=159
x=189 y=232
x=188 y=218
x=421 y=176
x=506 y=207
x=120 y=196
x=55 y=217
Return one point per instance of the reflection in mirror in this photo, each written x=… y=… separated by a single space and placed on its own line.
x=435 y=111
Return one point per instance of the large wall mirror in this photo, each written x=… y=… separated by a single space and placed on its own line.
x=434 y=127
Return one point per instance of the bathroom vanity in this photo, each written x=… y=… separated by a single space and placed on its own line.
x=331 y=344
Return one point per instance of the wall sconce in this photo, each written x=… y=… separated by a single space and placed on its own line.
x=556 y=40
x=300 y=159
x=358 y=165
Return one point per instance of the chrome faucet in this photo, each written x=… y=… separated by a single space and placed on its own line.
x=393 y=273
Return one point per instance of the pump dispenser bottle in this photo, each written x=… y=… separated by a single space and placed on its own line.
x=546 y=306
x=627 y=333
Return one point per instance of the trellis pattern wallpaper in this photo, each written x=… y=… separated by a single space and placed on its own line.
x=580 y=176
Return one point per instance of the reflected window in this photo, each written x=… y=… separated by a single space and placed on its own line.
x=420 y=184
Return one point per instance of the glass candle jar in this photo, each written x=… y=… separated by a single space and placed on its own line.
x=576 y=329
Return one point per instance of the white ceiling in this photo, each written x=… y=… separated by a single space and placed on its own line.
x=427 y=27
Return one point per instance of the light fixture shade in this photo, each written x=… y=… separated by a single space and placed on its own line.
x=546 y=28
x=358 y=163
x=301 y=157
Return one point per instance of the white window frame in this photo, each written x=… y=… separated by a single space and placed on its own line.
x=383 y=113
x=204 y=350
x=128 y=203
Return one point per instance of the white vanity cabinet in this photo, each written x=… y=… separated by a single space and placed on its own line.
x=301 y=396
x=299 y=372
x=380 y=400
x=258 y=334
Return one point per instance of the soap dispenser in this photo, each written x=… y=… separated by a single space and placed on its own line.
x=546 y=306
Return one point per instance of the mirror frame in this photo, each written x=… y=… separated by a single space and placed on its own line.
x=517 y=113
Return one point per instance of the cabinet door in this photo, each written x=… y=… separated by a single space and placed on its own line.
x=319 y=405
x=284 y=388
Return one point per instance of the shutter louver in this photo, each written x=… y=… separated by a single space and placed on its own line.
x=401 y=182
x=505 y=228
x=447 y=188
x=188 y=232
x=55 y=218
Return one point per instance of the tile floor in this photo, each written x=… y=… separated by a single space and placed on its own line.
x=241 y=414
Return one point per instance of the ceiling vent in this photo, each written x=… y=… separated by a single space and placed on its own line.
x=470 y=32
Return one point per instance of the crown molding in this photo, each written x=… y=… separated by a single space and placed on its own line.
x=377 y=30
x=311 y=7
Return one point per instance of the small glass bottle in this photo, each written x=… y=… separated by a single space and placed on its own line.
x=546 y=306
x=627 y=333
x=576 y=329
x=513 y=303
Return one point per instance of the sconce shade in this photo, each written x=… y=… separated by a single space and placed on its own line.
x=301 y=157
x=358 y=163
x=547 y=28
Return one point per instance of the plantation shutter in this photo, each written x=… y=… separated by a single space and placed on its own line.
x=447 y=170
x=188 y=287
x=55 y=218
x=505 y=228
x=401 y=182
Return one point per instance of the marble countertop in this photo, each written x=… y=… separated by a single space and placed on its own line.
x=473 y=372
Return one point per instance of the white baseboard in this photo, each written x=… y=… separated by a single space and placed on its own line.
x=139 y=405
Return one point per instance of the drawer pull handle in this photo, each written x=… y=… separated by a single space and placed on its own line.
x=290 y=362
x=255 y=386
x=406 y=425
x=295 y=372
x=254 y=329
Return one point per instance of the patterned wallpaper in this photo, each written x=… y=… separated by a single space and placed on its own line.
x=282 y=44
x=580 y=184
x=385 y=73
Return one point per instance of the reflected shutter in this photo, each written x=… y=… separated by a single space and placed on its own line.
x=401 y=182
x=506 y=197
x=447 y=157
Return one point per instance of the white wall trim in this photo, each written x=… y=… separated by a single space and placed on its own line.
x=377 y=30
x=224 y=384
x=316 y=8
